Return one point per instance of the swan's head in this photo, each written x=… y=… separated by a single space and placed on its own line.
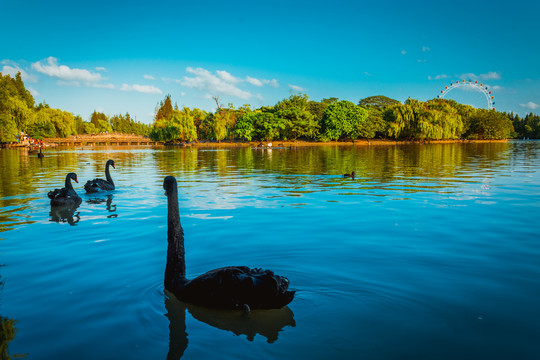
x=273 y=290
x=73 y=177
x=110 y=162
x=169 y=185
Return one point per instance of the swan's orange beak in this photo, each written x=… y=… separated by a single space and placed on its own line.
x=76 y=181
x=113 y=166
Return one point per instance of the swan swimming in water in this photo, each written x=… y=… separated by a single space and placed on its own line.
x=97 y=185
x=233 y=287
x=67 y=195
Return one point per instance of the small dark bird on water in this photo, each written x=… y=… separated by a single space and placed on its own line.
x=40 y=154
x=351 y=175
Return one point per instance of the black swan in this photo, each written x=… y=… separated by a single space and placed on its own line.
x=233 y=287
x=40 y=154
x=65 y=196
x=96 y=185
x=351 y=175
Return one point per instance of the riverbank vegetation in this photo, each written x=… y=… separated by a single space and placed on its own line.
x=19 y=113
x=294 y=118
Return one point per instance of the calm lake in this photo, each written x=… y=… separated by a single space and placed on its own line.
x=432 y=252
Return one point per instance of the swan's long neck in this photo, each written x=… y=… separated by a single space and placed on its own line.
x=108 y=174
x=176 y=265
x=67 y=184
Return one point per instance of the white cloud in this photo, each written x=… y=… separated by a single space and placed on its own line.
x=530 y=105
x=421 y=60
x=254 y=81
x=492 y=75
x=297 y=88
x=438 y=77
x=11 y=68
x=367 y=73
x=497 y=87
x=100 y=68
x=102 y=86
x=426 y=48
x=224 y=83
x=225 y=76
x=260 y=82
x=51 y=68
x=149 y=77
x=147 y=89
x=403 y=52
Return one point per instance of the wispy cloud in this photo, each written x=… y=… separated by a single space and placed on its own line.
x=426 y=48
x=438 y=77
x=492 y=75
x=403 y=52
x=100 y=68
x=227 y=77
x=147 y=89
x=149 y=77
x=51 y=68
x=297 y=88
x=260 y=82
x=530 y=105
x=222 y=83
x=11 y=68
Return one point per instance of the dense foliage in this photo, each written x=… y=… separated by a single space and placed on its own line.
x=296 y=117
x=19 y=114
x=527 y=127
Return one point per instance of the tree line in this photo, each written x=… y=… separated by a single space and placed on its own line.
x=293 y=118
x=298 y=117
x=18 y=113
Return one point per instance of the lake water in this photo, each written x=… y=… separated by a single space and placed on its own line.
x=432 y=252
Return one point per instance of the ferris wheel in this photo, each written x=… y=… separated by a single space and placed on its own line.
x=475 y=85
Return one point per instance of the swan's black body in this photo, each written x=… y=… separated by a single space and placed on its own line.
x=67 y=195
x=233 y=287
x=97 y=185
x=40 y=154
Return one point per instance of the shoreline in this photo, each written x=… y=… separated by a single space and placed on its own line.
x=116 y=139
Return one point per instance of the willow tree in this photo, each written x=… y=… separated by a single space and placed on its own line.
x=418 y=120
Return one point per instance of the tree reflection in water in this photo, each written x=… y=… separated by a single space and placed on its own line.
x=267 y=323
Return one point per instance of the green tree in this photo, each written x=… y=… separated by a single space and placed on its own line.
x=378 y=101
x=297 y=119
x=165 y=109
x=343 y=119
x=244 y=128
x=489 y=124
x=267 y=125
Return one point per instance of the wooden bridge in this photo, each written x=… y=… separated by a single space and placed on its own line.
x=101 y=140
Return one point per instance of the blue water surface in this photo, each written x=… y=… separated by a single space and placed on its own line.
x=431 y=252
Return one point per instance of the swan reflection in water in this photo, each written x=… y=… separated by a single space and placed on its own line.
x=267 y=323
x=111 y=208
x=62 y=214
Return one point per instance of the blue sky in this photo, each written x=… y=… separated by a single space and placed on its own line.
x=125 y=56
